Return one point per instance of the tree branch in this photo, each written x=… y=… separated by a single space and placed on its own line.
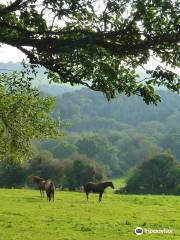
x=11 y=8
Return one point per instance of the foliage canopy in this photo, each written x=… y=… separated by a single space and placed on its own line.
x=158 y=175
x=24 y=116
x=98 y=43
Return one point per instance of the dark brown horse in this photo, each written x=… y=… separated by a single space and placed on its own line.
x=97 y=188
x=40 y=183
x=50 y=189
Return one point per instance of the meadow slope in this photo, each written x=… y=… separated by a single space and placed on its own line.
x=25 y=216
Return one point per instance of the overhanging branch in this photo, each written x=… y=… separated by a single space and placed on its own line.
x=11 y=8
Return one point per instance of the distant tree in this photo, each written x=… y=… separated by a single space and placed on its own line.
x=152 y=128
x=99 y=148
x=24 y=116
x=134 y=147
x=12 y=174
x=64 y=149
x=80 y=170
x=45 y=166
x=172 y=142
x=172 y=123
x=100 y=48
x=60 y=148
x=158 y=175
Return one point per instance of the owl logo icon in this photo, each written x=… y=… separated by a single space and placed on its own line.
x=138 y=231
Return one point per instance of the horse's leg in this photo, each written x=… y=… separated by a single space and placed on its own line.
x=100 y=196
x=49 y=196
x=40 y=192
x=87 y=195
x=53 y=196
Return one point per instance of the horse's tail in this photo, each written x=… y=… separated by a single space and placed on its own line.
x=49 y=186
x=48 y=189
x=52 y=187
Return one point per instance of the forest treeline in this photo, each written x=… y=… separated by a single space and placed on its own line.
x=102 y=139
x=69 y=173
x=118 y=134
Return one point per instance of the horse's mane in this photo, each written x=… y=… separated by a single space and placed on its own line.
x=37 y=179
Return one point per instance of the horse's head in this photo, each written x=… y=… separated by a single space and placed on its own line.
x=111 y=185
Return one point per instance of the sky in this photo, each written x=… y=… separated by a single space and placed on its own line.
x=10 y=54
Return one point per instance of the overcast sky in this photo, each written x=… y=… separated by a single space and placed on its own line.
x=10 y=54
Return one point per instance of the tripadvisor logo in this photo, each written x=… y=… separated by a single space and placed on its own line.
x=138 y=231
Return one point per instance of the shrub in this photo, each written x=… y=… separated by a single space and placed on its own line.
x=158 y=175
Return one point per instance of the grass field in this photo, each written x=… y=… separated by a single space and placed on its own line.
x=25 y=216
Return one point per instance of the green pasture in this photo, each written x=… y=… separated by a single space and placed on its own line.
x=25 y=216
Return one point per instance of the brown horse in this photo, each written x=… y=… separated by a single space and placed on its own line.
x=40 y=182
x=97 y=188
x=50 y=189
